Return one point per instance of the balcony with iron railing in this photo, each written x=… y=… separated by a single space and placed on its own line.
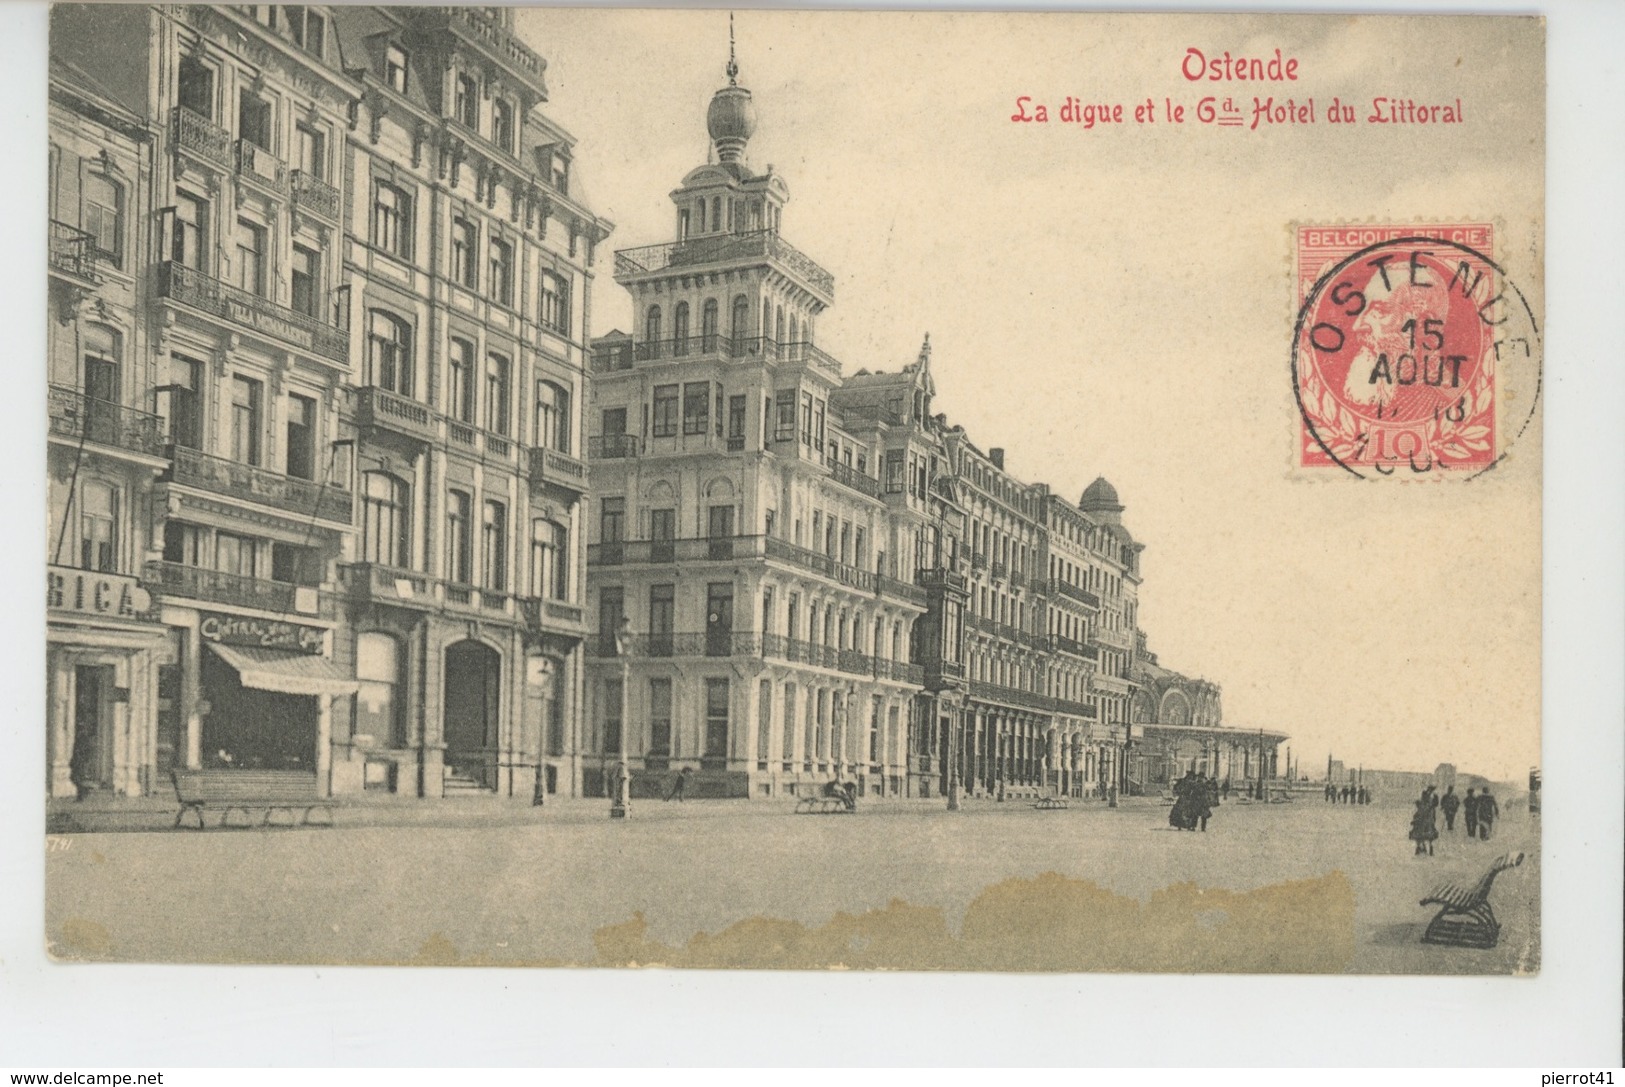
x=613 y=446
x=625 y=355
x=173 y=579
x=551 y=616
x=261 y=167
x=666 y=644
x=220 y=299
x=72 y=254
x=489 y=35
x=1010 y=696
x=943 y=579
x=890 y=586
x=1109 y=684
x=549 y=466
x=410 y=588
x=316 y=196
x=1116 y=639
x=1067 y=589
x=804 y=559
x=197 y=135
x=725 y=249
x=1074 y=647
x=848 y=476
x=251 y=483
x=1006 y=632
x=78 y=417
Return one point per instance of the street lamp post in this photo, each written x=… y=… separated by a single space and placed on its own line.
x=953 y=763
x=620 y=805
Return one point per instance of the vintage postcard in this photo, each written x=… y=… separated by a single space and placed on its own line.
x=907 y=491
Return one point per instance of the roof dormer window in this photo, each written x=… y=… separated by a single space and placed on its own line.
x=467 y=104
x=395 y=61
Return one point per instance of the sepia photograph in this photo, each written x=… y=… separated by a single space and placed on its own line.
x=794 y=490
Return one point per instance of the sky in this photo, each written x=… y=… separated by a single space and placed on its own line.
x=1117 y=301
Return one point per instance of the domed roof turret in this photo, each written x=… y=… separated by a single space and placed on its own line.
x=1100 y=496
x=731 y=119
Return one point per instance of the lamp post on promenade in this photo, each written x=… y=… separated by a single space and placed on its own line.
x=953 y=762
x=620 y=805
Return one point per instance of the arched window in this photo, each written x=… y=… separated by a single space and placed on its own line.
x=702 y=217
x=708 y=325
x=378 y=703
x=389 y=353
x=386 y=520
x=778 y=325
x=795 y=329
x=739 y=328
x=651 y=332
x=555 y=303
x=552 y=416
x=494 y=545
x=460 y=381
x=716 y=213
x=679 y=329
x=550 y=559
x=766 y=331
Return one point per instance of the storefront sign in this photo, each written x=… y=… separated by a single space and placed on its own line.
x=88 y=592
x=265 y=633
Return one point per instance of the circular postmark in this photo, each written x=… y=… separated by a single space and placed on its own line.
x=1414 y=356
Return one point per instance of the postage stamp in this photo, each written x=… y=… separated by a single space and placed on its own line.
x=1407 y=339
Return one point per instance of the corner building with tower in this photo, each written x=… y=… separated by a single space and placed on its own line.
x=823 y=579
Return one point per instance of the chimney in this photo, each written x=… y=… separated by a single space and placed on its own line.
x=997 y=457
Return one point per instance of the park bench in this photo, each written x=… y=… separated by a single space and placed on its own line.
x=1051 y=803
x=1465 y=918
x=824 y=805
x=249 y=791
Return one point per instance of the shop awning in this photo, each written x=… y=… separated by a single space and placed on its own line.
x=283 y=671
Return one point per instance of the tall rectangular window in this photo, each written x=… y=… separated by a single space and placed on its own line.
x=98 y=527
x=395 y=65
x=187 y=242
x=716 y=719
x=301 y=437
x=245 y=419
x=784 y=424
x=662 y=535
x=501 y=284
x=307 y=281
x=662 y=614
x=465 y=254
x=696 y=407
x=665 y=413
x=195 y=87
x=789 y=747
x=612 y=520
x=553 y=416
x=496 y=393
x=460 y=381
x=251 y=257
x=502 y=124
x=458 y=564
x=611 y=610
x=659 y=721
x=310 y=156
x=550 y=559
x=391 y=219
x=736 y=422
x=254 y=119
x=494 y=545
x=554 y=310
x=467 y=101
x=179 y=404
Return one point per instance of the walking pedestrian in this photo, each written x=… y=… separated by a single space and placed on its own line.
x=1469 y=811
x=678 y=786
x=1488 y=810
x=1423 y=828
x=1450 y=803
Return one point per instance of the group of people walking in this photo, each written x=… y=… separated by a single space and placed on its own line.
x=1480 y=810
x=1195 y=797
x=1348 y=794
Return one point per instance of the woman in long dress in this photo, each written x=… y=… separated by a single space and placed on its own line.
x=1424 y=829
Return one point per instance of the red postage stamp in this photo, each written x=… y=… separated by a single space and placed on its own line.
x=1400 y=335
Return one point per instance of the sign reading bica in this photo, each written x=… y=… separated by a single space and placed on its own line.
x=264 y=633
x=89 y=592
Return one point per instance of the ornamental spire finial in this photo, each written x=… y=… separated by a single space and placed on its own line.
x=733 y=65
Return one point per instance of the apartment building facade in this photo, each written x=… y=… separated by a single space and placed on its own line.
x=349 y=307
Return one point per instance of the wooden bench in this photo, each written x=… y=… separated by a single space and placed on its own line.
x=824 y=805
x=1465 y=918
x=249 y=791
x=1051 y=803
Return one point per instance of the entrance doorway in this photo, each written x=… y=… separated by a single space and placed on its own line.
x=473 y=701
x=92 y=727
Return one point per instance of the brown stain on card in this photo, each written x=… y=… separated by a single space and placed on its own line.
x=80 y=939
x=1047 y=923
